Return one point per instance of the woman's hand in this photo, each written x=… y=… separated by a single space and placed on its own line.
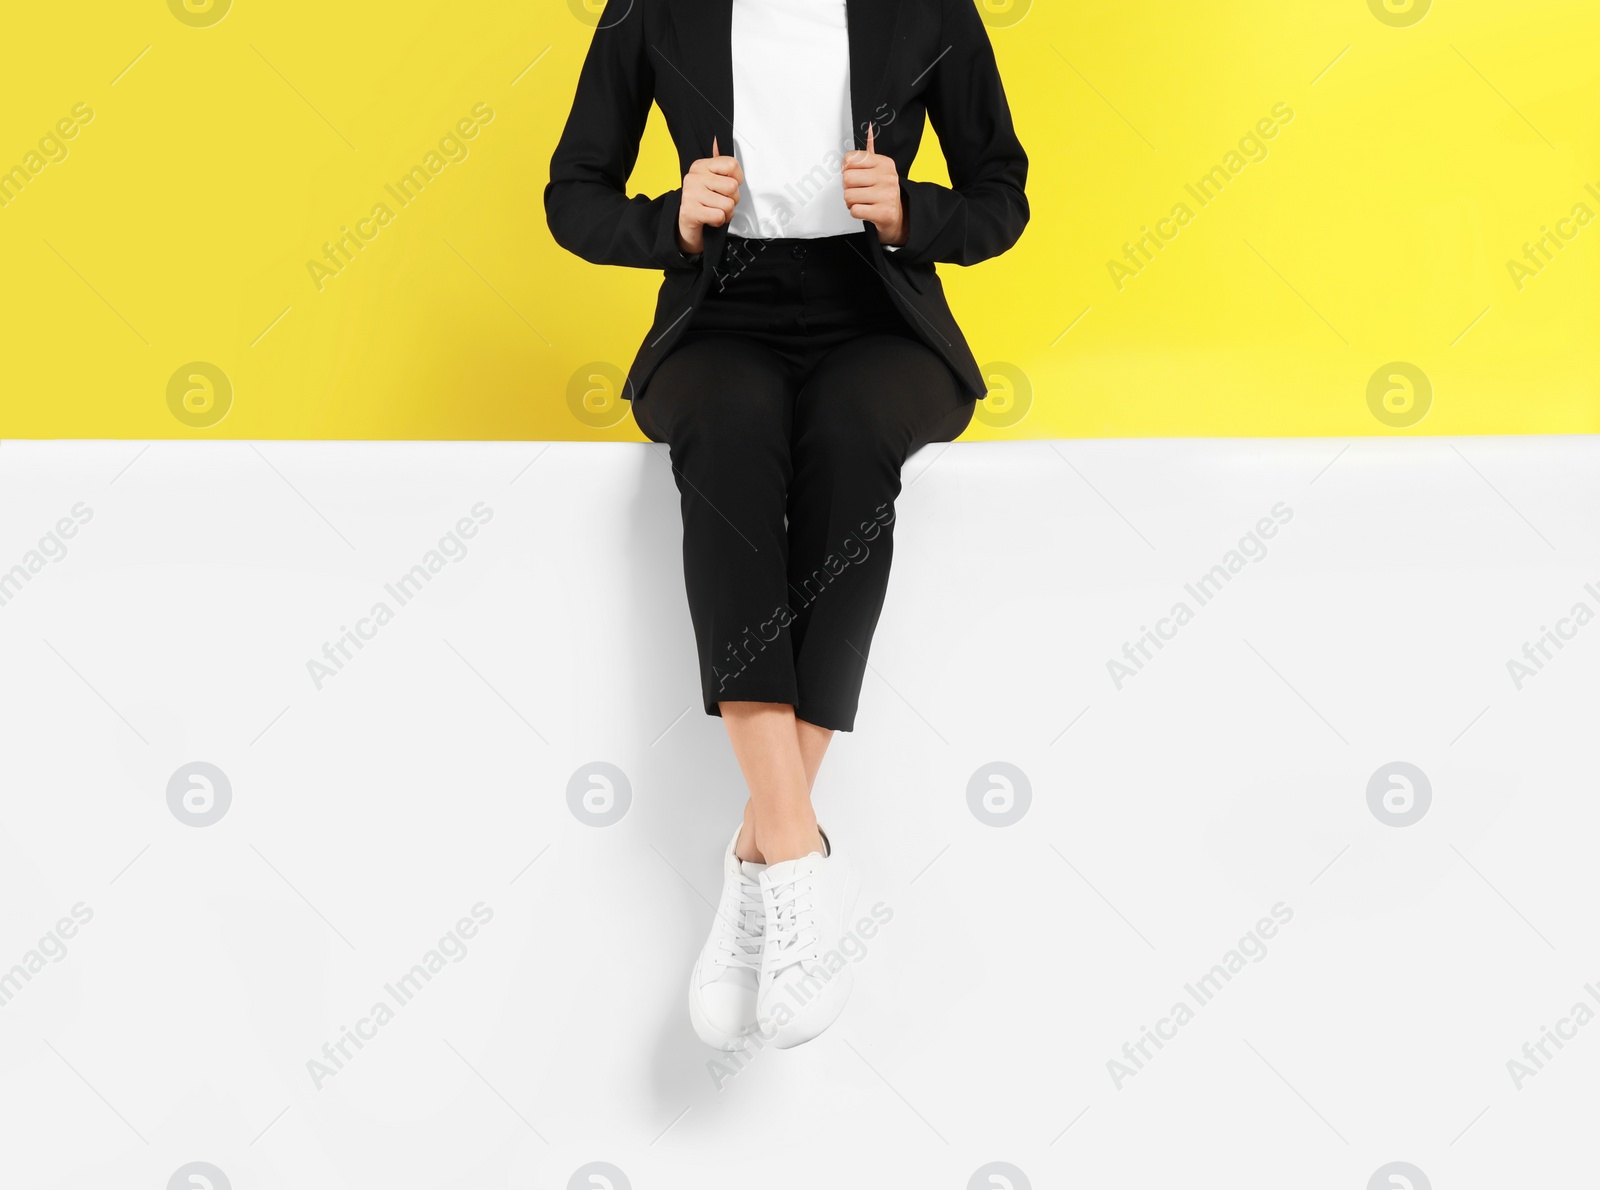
x=872 y=192
x=710 y=192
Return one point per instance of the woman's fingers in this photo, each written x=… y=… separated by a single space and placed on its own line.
x=726 y=166
x=710 y=192
x=879 y=192
x=712 y=216
x=711 y=189
x=859 y=179
x=705 y=216
x=879 y=213
x=872 y=188
x=721 y=184
x=718 y=192
x=716 y=202
x=868 y=157
x=709 y=204
x=865 y=171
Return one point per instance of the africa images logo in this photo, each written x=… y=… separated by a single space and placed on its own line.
x=199 y=14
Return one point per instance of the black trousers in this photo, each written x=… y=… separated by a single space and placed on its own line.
x=790 y=404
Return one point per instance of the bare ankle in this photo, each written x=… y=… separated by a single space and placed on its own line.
x=745 y=848
x=780 y=845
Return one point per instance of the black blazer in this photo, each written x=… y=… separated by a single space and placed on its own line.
x=908 y=58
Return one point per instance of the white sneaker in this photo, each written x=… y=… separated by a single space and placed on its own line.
x=805 y=976
x=722 y=989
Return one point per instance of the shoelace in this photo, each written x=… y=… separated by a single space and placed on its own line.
x=742 y=946
x=792 y=930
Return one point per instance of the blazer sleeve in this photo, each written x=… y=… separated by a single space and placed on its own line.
x=985 y=209
x=586 y=202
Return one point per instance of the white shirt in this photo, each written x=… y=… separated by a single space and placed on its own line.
x=791 y=116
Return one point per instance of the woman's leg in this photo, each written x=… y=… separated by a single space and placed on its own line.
x=813 y=741
x=866 y=407
x=779 y=822
x=723 y=404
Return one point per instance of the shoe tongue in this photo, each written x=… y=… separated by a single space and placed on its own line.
x=750 y=870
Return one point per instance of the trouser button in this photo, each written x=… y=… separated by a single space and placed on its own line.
x=799 y=252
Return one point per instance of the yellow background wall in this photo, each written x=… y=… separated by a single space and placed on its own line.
x=155 y=262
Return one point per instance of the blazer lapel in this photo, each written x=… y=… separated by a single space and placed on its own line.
x=872 y=24
x=703 y=55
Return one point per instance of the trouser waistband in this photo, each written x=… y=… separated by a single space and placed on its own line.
x=823 y=248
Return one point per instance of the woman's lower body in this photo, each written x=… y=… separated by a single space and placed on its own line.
x=790 y=404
